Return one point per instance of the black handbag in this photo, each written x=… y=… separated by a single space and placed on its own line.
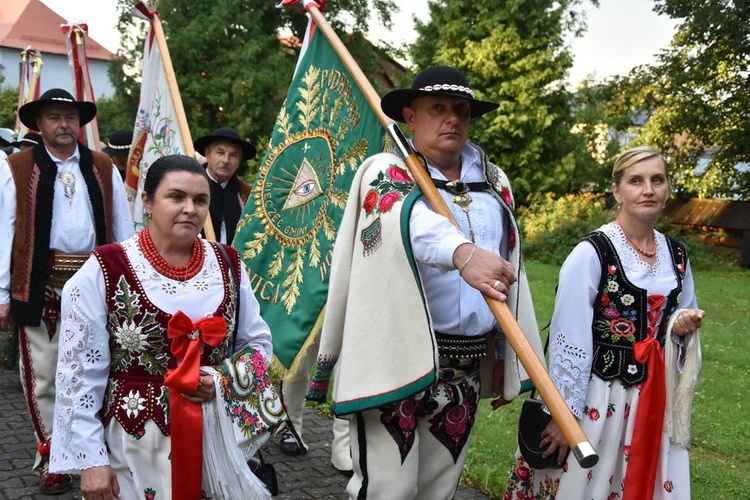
x=531 y=424
x=265 y=472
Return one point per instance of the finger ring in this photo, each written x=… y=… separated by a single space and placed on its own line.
x=496 y=283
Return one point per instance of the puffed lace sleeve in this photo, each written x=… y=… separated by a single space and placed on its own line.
x=571 y=341
x=82 y=372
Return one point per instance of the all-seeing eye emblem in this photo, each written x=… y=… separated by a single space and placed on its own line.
x=306 y=187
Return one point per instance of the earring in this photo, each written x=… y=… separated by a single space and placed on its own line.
x=149 y=215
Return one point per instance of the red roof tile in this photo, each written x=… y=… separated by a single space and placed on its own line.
x=26 y=23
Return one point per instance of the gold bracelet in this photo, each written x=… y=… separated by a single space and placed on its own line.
x=468 y=259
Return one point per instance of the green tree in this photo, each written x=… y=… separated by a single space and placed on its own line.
x=230 y=66
x=513 y=52
x=698 y=96
x=8 y=106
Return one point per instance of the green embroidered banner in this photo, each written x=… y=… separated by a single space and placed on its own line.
x=285 y=237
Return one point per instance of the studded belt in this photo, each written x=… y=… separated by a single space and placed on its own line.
x=62 y=266
x=461 y=346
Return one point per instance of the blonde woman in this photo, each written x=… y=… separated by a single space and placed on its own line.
x=624 y=351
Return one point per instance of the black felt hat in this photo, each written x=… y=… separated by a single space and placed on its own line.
x=119 y=143
x=435 y=80
x=30 y=139
x=29 y=111
x=225 y=134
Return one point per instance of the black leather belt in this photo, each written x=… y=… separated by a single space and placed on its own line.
x=461 y=346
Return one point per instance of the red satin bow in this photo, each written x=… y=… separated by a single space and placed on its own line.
x=649 y=423
x=184 y=333
x=185 y=417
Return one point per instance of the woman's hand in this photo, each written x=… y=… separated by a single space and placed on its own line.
x=487 y=272
x=99 y=483
x=206 y=390
x=553 y=439
x=688 y=321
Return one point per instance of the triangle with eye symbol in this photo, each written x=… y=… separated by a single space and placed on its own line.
x=306 y=187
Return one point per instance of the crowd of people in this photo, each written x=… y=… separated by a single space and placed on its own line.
x=143 y=357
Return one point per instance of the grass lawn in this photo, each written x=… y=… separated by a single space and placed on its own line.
x=720 y=438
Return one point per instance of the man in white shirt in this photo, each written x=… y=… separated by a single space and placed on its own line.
x=225 y=153
x=59 y=201
x=406 y=324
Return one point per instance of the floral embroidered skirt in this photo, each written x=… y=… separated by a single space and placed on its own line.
x=608 y=421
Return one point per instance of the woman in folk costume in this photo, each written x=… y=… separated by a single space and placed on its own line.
x=624 y=351
x=153 y=352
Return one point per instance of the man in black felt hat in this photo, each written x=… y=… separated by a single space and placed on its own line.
x=226 y=152
x=118 y=148
x=28 y=141
x=414 y=343
x=60 y=200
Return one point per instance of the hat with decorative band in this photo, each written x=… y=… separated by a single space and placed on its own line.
x=435 y=80
x=30 y=139
x=119 y=143
x=29 y=111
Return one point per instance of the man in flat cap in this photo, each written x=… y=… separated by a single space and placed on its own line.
x=118 y=148
x=225 y=153
x=414 y=343
x=60 y=200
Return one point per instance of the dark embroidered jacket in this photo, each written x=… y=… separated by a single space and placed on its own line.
x=617 y=325
x=139 y=348
x=34 y=174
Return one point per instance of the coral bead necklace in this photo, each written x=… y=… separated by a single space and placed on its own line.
x=646 y=253
x=177 y=273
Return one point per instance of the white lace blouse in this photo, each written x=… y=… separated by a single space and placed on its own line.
x=84 y=357
x=571 y=344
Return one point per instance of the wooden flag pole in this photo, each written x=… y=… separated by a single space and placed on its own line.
x=93 y=125
x=36 y=69
x=22 y=90
x=174 y=91
x=582 y=448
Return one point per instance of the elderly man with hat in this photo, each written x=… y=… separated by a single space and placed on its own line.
x=225 y=153
x=414 y=343
x=59 y=201
x=118 y=148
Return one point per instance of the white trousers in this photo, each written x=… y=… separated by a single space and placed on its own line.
x=38 y=366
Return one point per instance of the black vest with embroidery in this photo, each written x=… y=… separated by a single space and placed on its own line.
x=621 y=312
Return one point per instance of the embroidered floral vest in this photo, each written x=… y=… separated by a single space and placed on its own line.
x=139 y=347
x=621 y=312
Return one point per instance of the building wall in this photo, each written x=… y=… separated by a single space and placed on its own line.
x=56 y=72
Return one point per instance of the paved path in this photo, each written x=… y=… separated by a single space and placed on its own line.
x=302 y=477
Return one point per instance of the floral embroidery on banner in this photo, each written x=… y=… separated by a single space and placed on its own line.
x=388 y=188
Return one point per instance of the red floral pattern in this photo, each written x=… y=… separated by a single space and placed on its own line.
x=387 y=189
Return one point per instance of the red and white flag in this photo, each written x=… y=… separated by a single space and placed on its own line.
x=156 y=132
x=75 y=39
x=28 y=83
